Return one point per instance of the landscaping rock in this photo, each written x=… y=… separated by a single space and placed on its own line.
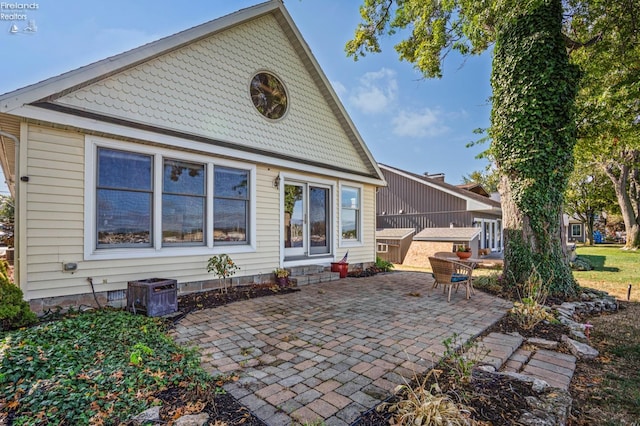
x=192 y=420
x=551 y=409
x=150 y=415
x=543 y=343
x=581 y=350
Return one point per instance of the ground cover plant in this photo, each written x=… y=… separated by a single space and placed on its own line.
x=97 y=367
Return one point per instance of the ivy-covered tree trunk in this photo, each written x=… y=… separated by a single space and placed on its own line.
x=533 y=131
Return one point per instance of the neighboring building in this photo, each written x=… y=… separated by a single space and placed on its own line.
x=417 y=201
x=575 y=228
x=224 y=138
x=394 y=243
x=430 y=241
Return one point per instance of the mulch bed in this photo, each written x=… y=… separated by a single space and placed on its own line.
x=211 y=299
x=496 y=400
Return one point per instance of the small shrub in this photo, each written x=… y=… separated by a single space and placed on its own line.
x=581 y=264
x=14 y=310
x=530 y=310
x=462 y=357
x=223 y=267
x=491 y=283
x=422 y=405
x=383 y=265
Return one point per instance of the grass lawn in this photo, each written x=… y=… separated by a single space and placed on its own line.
x=614 y=269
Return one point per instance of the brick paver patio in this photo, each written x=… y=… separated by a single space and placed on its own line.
x=336 y=349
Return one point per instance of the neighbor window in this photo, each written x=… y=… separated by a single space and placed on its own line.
x=576 y=230
x=124 y=198
x=183 y=203
x=350 y=213
x=230 y=205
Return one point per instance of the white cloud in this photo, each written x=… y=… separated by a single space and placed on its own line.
x=376 y=91
x=427 y=122
x=339 y=88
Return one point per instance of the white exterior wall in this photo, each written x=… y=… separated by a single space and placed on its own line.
x=55 y=231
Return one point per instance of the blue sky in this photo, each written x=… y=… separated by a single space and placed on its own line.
x=406 y=121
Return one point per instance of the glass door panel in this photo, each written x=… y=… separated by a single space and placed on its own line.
x=319 y=220
x=294 y=220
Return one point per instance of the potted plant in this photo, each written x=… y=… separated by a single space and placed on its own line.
x=282 y=276
x=463 y=252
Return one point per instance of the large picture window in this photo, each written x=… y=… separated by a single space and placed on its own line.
x=350 y=214
x=230 y=205
x=124 y=198
x=151 y=201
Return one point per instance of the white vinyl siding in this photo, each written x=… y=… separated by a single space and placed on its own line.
x=56 y=235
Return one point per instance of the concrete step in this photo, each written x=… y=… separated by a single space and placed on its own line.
x=314 y=278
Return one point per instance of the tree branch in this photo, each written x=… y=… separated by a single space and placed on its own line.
x=575 y=45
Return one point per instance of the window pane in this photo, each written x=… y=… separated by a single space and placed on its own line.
x=124 y=217
x=350 y=197
x=124 y=199
x=319 y=214
x=349 y=224
x=124 y=170
x=230 y=220
x=183 y=178
x=182 y=219
x=231 y=183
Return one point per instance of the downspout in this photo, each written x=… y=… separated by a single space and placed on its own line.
x=16 y=219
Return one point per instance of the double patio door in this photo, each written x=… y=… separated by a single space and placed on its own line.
x=307 y=220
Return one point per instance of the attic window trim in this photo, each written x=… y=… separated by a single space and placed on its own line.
x=272 y=105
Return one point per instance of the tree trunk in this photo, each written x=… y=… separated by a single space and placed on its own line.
x=625 y=184
x=534 y=87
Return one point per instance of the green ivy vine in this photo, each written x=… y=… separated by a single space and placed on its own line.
x=533 y=130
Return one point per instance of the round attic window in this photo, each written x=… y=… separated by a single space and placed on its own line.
x=268 y=95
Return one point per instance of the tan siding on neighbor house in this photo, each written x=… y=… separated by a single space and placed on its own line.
x=203 y=89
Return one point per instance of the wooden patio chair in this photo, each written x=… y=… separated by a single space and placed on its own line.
x=449 y=273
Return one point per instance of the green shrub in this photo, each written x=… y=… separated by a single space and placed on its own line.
x=531 y=310
x=581 y=264
x=491 y=283
x=14 y=310
x=383 y=265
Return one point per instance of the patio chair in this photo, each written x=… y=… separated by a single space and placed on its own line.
x=449 y=273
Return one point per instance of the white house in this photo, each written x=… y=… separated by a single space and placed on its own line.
x=224 y=138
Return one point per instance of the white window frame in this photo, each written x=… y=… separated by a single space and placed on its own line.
x=579 y=227
x=359 y=241
x=92 y=143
